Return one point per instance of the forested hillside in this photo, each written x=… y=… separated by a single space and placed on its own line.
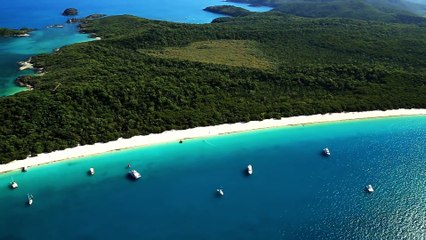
x=401 y=11
x=142 y=78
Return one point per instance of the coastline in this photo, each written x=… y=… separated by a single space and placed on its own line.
x=199 y=132
x=28 y=64
x=23 y=65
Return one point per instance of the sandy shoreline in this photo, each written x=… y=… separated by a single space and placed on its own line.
x=24 y=65
x=199 y=132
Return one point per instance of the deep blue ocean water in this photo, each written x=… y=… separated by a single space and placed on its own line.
x=294 y=192
x=41 y=13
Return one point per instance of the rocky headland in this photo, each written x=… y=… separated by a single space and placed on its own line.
x=228 y=10
x=23 y=32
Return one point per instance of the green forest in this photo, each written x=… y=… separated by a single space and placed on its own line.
x=141 y=77
x=401 y=11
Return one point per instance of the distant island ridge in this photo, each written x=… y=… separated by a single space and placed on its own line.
x=228 y=10
x=378 y=10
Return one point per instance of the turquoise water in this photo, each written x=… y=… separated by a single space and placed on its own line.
x=13 y=50
x=294 y=192
x=39 y=14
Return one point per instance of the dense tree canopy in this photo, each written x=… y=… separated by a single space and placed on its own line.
x=102 y=90
x=401 y=11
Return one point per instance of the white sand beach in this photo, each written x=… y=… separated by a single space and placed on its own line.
x=199 y=132
x=25 y=65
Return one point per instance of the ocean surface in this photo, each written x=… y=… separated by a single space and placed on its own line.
x=41 y=13
x=294 y=192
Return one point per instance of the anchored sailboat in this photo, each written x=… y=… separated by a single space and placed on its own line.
x=30 y=199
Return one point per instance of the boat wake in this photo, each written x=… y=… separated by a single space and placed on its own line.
x=211 y=144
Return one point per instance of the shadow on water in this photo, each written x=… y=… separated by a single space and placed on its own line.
x=323 y=154
x=245 y=171
x=216 y=193
x=130 y=178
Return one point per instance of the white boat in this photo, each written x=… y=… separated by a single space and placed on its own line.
x=30 y=199
x=13 y=185
x=91 y=171
x=326 y=152
x=250 y=169
x=220 y=191
x=135 y=174
x=369 y=188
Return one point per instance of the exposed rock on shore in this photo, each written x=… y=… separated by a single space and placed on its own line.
x=73 y=20
x=22 y=35
x=55 y=26
x=23 y=82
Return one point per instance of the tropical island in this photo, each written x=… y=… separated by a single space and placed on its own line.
x=149 y=76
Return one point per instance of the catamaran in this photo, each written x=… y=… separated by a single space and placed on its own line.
x=250 y=169
x=369 y=188
x=135 y=174
x=326 y=152
x=13 y=184
x=220 y=191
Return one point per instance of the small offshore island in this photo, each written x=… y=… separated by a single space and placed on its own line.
x=70 y=12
